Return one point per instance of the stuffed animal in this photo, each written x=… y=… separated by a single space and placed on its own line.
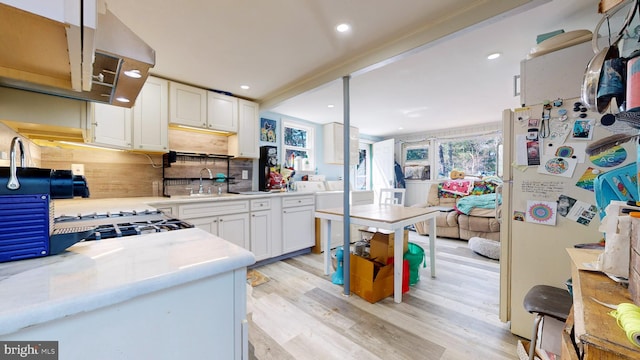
x=455 y=174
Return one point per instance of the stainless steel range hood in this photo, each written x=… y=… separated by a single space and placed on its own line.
x=36 y=54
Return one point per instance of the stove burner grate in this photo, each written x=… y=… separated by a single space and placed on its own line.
x=108 y=231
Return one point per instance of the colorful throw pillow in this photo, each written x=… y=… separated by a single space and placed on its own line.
x=482 y=187
x=458 y=187
x=479 y=188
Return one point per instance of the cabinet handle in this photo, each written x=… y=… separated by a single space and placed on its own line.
x=220 y=220
x=253 y=215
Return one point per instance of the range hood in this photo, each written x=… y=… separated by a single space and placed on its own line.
x=85 y=62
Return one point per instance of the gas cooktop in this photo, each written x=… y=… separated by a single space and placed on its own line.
x=101 y=226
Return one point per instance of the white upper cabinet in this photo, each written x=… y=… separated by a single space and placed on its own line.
x=187 y=105
x=109 y=125
x=222 y=112
x=151 y=116
x=334 y=144
x=244 y=144
x=144 y=127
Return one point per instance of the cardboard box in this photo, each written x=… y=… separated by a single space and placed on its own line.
x=381 y=246
x=370 y=280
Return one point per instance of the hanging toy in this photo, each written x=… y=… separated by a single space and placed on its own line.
x=338 y=276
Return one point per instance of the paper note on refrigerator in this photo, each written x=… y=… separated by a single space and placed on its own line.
x=557 y=166
x=542 y=212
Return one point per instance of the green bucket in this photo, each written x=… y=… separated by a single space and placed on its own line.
x=415 y=256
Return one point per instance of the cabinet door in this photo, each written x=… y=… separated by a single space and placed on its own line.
x=297 y=228
x=245 y=143
x=235 y=228
x=151 y=116
x=333 y=136
x=261 y=234
x=222 y=112
x=208 y=224
x=187 y=105
x=110 y=125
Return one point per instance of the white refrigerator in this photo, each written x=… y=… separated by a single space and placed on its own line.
x=549 y=207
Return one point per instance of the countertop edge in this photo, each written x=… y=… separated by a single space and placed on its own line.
x=50 y=311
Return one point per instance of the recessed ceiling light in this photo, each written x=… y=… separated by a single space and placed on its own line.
x=133 y=74
x=244 y=87
x=493 y=56
x=330 y=106
x=343 y=28
x=122 y=99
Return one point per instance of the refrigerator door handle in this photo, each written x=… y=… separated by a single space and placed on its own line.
x=498 y=207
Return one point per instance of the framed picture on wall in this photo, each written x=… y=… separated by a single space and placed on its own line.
x=268 y=130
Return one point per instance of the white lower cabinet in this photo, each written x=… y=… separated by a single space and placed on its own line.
x=298 y=224
x=261 y=228
x=261 y=234
x=268 y=227
x=228 y=220
x=233 y=228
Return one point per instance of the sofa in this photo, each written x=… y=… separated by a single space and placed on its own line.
x=463 y=222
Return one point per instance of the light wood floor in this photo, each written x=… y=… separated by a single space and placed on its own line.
x=301 y=314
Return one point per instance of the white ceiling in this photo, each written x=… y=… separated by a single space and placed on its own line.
x=414 y=64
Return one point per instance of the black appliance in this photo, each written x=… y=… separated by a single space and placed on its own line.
x=268 y=159
x=59 y=184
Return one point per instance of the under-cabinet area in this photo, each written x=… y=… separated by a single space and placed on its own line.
x=270 y=225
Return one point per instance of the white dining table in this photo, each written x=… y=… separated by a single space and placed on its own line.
x=387 y=217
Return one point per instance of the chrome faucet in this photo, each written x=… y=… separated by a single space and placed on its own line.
x=200 y=188
x=13 y=183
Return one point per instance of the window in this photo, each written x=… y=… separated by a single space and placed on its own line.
x=297 y=145
x=474 y=156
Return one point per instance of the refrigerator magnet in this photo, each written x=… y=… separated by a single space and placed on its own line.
x=582 y=129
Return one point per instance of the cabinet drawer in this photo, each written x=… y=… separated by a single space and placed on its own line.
x=260 y=204
x=297 y=201
x=212 y=209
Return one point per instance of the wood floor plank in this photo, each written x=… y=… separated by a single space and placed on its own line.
x=301 y=314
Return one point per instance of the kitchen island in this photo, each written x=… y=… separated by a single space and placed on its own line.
x=168 y=295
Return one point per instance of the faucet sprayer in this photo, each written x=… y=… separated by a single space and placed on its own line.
x=13 y=183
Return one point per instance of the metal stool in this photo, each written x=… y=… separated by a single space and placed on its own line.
x=544 y=300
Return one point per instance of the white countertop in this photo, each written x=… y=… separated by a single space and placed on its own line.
x=95 y=274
